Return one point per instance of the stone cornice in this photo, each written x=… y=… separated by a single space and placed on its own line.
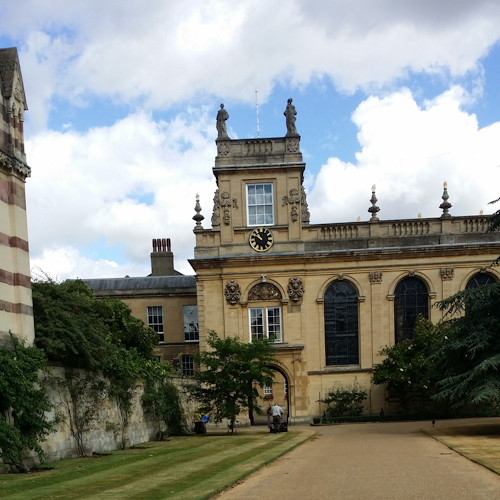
x=345 y=256
x=12 y=165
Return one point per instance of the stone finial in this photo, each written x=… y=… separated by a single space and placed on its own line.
x=198 y=217
x=446 y=205
x=220 y=123
x=373 y=209
x=290 y=113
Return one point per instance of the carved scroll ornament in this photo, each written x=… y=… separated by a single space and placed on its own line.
x=232 y=292
x=447 y=273
x=295 y=289
x=264 y=291
x=375 y=276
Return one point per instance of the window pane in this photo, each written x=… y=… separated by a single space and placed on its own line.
x=341 y=324
x=155 y=321
x=274 y=323
x=480 y=280
x=260 y=205
x=191 y=333
x=187 y=366
x=411 y=300
x=256 y=323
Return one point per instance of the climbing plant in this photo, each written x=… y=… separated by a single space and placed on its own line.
x=23 y=403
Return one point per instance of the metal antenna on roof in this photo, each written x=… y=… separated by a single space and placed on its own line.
x=257 y=108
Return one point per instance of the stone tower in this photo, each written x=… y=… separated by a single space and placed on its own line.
x=16 y=306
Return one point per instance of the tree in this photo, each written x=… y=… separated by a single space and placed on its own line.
x=162 y=401
x=469 y=356
x=67 y=325
x=408 y=368
x=231 y=370
x=23 y=403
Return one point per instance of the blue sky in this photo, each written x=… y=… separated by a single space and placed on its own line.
x=122 y=102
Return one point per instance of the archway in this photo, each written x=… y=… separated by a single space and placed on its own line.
x=281 y=395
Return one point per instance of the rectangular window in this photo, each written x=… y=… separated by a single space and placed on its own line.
x=155 y=321
x=260 y=205
x=187 y=365
x=268 y=389
x=268 y=324
x=191 y=332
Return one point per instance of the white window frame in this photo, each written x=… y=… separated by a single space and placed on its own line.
x=157 y=325
x=268 y=389
x=188 y=332
x=265 y=325
x=260 y=221
x=187 y=365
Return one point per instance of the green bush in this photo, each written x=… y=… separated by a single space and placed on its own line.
x=344 y=400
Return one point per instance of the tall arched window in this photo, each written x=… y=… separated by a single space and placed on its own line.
x=480 y=279
x=341 y=324
x=411 y=299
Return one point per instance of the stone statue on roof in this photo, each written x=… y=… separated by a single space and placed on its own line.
x=222 y=116
x=290 y=113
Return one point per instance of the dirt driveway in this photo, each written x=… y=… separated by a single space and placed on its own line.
x=369 y=462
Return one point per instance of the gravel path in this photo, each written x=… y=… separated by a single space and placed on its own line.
x=369 y=462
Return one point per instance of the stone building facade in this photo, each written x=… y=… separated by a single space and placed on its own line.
x=332 y=295
x=165 y=300
x=16 y=306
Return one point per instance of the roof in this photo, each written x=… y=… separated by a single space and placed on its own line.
x=9 y=64
x=144 y=283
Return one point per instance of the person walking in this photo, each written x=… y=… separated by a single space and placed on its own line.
x=276 y=412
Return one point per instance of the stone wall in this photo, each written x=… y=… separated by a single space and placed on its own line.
x=105 y=434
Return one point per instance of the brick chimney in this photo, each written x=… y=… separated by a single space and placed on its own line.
x=162 y=259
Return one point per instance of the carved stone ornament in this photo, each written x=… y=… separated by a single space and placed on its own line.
x=226 y=203
x=293 y=199
x=306 y=216
x=295 y=289
x=232 y=292
x=264 y=291
x=216 y=210
x=18 y=95
x=293 y=146
x=447 y=273
x=222 y=149
x=375 y=276
x=13 y=165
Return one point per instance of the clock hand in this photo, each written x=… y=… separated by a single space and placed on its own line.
x=258 y=236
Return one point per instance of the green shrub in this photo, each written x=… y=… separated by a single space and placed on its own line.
x=344 y=400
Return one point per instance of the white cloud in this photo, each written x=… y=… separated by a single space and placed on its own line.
x=171 y=51
x=67 y=262
x=408 y=152
x=85 y=187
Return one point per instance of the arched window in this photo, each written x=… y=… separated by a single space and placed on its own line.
x=480 y=279
x=411 y=299
x=341 y=324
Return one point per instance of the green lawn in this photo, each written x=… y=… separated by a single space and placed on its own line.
x=190 y=467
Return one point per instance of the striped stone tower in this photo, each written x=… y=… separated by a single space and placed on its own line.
x=16 y=306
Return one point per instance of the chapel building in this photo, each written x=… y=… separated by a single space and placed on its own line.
x=330 y=295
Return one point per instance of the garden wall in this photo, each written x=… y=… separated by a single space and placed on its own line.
x=105 y=434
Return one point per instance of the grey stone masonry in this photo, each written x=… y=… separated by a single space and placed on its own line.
x=264 y=151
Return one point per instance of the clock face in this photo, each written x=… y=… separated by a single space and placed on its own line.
x=261 y=239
